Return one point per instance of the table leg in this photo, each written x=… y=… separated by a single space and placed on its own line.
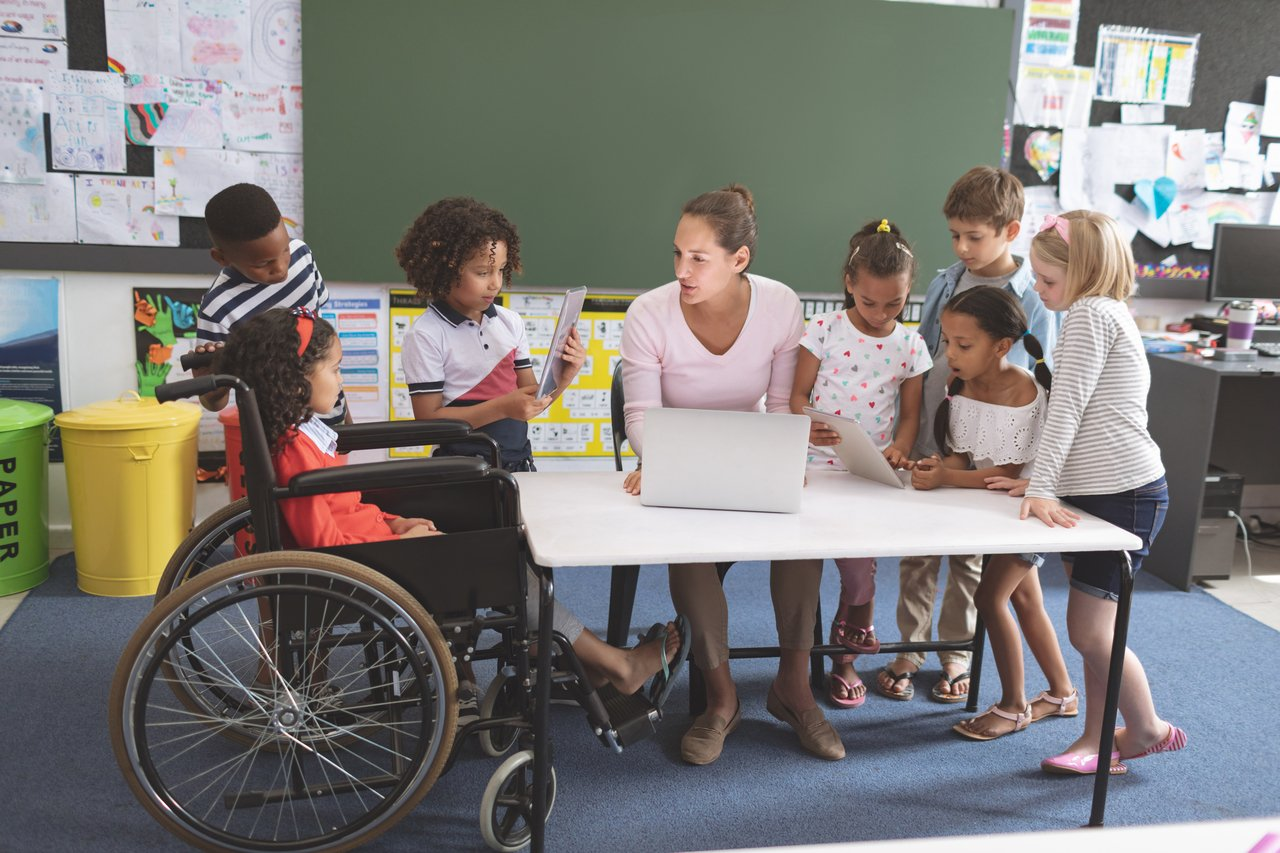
x=817 y=663
x=975 y=663
x=1115 y=672
x=622 y=600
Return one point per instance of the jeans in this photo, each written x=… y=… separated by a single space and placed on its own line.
x=1140 y=511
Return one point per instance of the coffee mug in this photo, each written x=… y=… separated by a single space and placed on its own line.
x=1241 y=317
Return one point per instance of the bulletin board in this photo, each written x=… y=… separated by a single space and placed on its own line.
x=578 y=423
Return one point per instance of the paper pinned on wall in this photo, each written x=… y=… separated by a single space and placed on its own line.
x=1071 y=169
x=1054 y=97
x=143 y=37
x=1247 y=209
x=86 y=121
x=1142 y=113
x=277 y=41
x=21 y=133
x=1273 y=157
x=1138 y=66
x=39 y=213
x=172 y=111
x=1271 y=108
x=1185 y=162
x=1049 y=32
x=281 y=175
x=262 y=118
x=1215 y=176
x=121 y=212
x=29 y=61
x=186 y=178
x=215 y=39
x=33 y=19
x=1141 y=217
x=1038 y=202
x=1241 y=131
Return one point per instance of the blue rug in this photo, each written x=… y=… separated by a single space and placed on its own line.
x=906 y=774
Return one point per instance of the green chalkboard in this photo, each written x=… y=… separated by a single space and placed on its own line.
x=589 y=123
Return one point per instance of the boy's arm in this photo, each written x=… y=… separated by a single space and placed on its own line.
x=211 y=337
x=520 y=404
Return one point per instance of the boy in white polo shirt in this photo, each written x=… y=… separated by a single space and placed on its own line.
x=467 y=357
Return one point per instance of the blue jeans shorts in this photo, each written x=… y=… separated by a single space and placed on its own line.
x=1140 y=511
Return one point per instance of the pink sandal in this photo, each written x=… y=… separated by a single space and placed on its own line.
x=846 y=701
x=1020 y=722
x=1068 y=706
x=1174 y=741
x=1075 y=764
x=856 y=639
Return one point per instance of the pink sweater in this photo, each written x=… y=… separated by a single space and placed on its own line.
x=665 y=365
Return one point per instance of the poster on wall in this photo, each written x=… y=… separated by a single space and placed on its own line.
x=29 y=345
x=21 y=133
x=28 y=61
x=277 y=41
x=1135 y=65
x=359 y=315
x=1049 y=32
x=34 y=19
x=86 y=121
x=143 y=36
x=121 y=212
x=170 y=111
x=39 y=213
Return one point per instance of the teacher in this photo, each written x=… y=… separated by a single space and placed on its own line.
x=720 y=338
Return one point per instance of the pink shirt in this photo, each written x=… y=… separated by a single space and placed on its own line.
x=665 y=365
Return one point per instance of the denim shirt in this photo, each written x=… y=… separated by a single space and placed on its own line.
x=1042 y=322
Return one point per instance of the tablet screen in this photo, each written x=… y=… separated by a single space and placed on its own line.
x=553 y=369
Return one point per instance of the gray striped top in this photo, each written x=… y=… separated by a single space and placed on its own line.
x=1095 y=439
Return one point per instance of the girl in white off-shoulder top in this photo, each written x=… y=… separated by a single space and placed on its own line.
x=988 y=427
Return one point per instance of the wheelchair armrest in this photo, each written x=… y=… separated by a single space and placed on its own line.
x=385 y=475
x=378 y=435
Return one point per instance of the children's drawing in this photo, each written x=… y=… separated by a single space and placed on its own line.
x=262 y=118
x=21 y=133
x=165 y=328
x=121 y=212
x=215 y=39
x=86 y=121
x=186 y=178
x=1241 y=136
x=39 y=213
x=172 y=111
x=277 y=41
x=281 y=175
x=34 y=19
x=29 y=61
x=143 y=36
x=1044 y=152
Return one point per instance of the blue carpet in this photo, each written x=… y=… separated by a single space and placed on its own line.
x=906 y=775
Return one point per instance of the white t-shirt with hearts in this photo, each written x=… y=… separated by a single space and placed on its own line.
x=859 y=376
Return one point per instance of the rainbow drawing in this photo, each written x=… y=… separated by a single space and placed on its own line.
x=1230 y=210
x=142 y=121
x=115 y=65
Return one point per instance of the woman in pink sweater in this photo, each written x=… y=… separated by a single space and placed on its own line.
x=719 y=338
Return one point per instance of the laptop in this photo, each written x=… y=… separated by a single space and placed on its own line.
x=707 y=459
x=858 y=452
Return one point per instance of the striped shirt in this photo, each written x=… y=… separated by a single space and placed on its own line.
x=1095 y=439
x=234 y=297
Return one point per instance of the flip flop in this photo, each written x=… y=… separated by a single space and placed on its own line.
x=949 y=698
x=844 y=701
x=660 y=688
x=896 y=676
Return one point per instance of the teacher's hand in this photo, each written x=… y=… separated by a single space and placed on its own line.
x=1049 y=511
x=631 y=485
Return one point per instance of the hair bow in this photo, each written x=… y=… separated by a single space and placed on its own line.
x=1059 y=224
x=306 y=320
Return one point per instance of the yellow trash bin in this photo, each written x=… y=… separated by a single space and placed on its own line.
x=131 y=477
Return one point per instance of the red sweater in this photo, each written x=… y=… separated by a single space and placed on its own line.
x=325 y=520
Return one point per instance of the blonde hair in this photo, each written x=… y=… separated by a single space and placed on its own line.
x=1098 y=260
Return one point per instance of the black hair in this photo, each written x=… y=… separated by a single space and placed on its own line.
x=879 y=248
x=240 y=213
x=1000 y=315
x=445 y=236
x=263 y=351
x=731 y=213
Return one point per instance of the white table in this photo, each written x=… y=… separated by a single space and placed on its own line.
x=586 y=519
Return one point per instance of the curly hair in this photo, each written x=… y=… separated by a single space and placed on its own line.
x=263 y=351
x=445 y=236
x=241 y=213
x=999 y=314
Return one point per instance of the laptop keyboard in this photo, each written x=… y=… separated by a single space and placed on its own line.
x=1268 y=348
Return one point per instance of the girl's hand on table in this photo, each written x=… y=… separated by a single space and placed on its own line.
x=1049 y=511
x=1015 y=486
x=927 y=473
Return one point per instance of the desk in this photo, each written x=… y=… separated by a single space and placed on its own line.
x=1202 y=412
x=586 y=519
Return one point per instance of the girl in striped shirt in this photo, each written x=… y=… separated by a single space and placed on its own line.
x=1095 y=454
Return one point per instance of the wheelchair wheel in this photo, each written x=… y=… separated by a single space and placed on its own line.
x=222 y=536
x=343 y=714
x=504 y=698
x=507 y=803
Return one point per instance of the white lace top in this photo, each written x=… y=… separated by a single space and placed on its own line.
x=997 y=435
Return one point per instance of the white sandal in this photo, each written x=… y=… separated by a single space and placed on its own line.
x=1068 y=706
x=1020 y=722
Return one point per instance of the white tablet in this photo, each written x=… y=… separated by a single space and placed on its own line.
x=553 y=369
x=858 y=452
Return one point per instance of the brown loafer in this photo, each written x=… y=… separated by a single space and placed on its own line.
x=816 y=734
x=704 y=741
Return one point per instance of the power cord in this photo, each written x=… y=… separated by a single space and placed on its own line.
x=1244 y=531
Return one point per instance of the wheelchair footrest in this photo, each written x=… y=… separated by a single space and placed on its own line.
x=632 y=717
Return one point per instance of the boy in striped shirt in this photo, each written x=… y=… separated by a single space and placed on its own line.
x=261 y=268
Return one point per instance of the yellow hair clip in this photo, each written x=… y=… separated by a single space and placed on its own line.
x=883 y=226
x=1039 y=361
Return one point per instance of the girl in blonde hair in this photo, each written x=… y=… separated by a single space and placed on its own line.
x=1095 y=454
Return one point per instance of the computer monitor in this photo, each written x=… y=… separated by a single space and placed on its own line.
x=1246 y=262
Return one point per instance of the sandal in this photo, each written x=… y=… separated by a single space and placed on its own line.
x=1020 y=722
x=1068 y=706
x=896 y=677
x=1174 y=741
x=950 y=698
x=846 y=701
x=852 y=637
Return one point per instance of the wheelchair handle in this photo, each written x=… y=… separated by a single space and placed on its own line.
x=191 y=360
x=197 y=387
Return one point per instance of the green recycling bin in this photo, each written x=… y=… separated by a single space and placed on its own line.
x=24 y=495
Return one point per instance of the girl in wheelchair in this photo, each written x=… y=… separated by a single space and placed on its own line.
x=292 y=360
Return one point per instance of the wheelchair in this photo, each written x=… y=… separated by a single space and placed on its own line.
x=306 y=699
